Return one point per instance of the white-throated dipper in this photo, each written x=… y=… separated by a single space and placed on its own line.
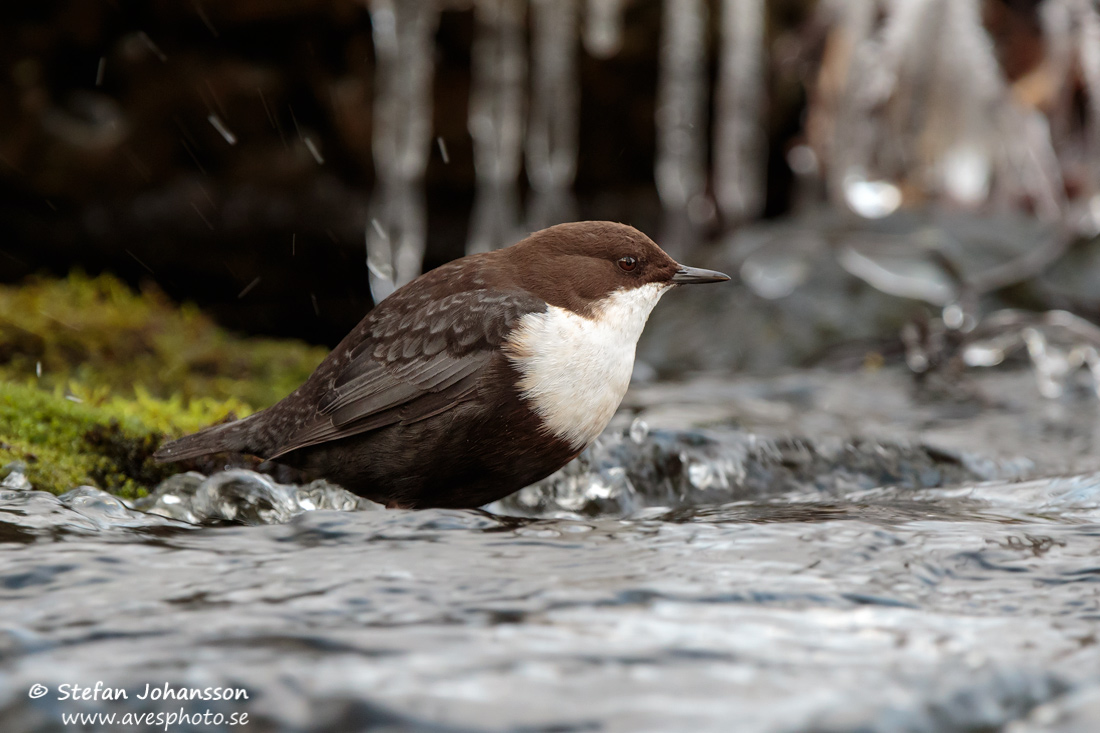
x=474 y=380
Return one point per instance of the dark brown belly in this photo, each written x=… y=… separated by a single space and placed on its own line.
x=466 y=457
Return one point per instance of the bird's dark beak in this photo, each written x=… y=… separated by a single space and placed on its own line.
x=694 y=275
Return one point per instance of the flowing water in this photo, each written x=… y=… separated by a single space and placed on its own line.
x=831 y=552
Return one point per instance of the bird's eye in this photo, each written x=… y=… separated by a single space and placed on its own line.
x=627 y=263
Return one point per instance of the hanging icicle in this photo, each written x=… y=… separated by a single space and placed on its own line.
x=1071 y=29
x=404 y=37
x=739 y=141
x=496 y=120
x=603 y=27
x=922 y=105
x=551 y=143
x=681 y=104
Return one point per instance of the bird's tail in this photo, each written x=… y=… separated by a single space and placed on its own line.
x=235 y=437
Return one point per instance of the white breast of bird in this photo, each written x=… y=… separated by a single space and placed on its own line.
x=575 y=370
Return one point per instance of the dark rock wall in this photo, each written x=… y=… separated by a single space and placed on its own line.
x=111 y=156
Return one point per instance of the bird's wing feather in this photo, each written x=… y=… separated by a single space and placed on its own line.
x=418 y=358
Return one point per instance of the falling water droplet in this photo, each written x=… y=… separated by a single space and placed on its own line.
x=202 y=216
x=312 y=147
x=248 y=288
x=138 y=260
x=152 y=46
x=218 y=125
x=378 y=229
x=201 y=12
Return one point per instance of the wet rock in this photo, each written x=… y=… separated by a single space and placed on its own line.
x=623 y=473
x=826 y=287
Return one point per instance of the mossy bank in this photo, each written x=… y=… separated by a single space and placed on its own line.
x=94 y=376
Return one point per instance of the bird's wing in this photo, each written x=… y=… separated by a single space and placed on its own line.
x=417 y=358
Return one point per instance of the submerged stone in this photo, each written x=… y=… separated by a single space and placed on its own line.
x=625 y=472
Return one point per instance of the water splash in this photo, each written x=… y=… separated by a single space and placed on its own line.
x=190 y=499
x=84 y=510
x=244 y=497
x=1060 y=346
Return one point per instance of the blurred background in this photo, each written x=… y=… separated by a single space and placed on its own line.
x=281 y=163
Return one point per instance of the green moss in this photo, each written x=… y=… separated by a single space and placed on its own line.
x=120 y=371
x=106 y=442
x=100 y=334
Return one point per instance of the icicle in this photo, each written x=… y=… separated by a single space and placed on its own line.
x=1088 y=50
x=1071 y=30
x=925 y=107
x=849 y=131
x=739 y=142
x=1059 y=18
x=681 y=104
x=974 y=90
x=603 y=27
x=496 y=121
x=404 y=37
x=974 y=100
x=1088 y=46
x=551 y=143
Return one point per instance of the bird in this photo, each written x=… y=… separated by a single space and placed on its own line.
x=473 y=380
